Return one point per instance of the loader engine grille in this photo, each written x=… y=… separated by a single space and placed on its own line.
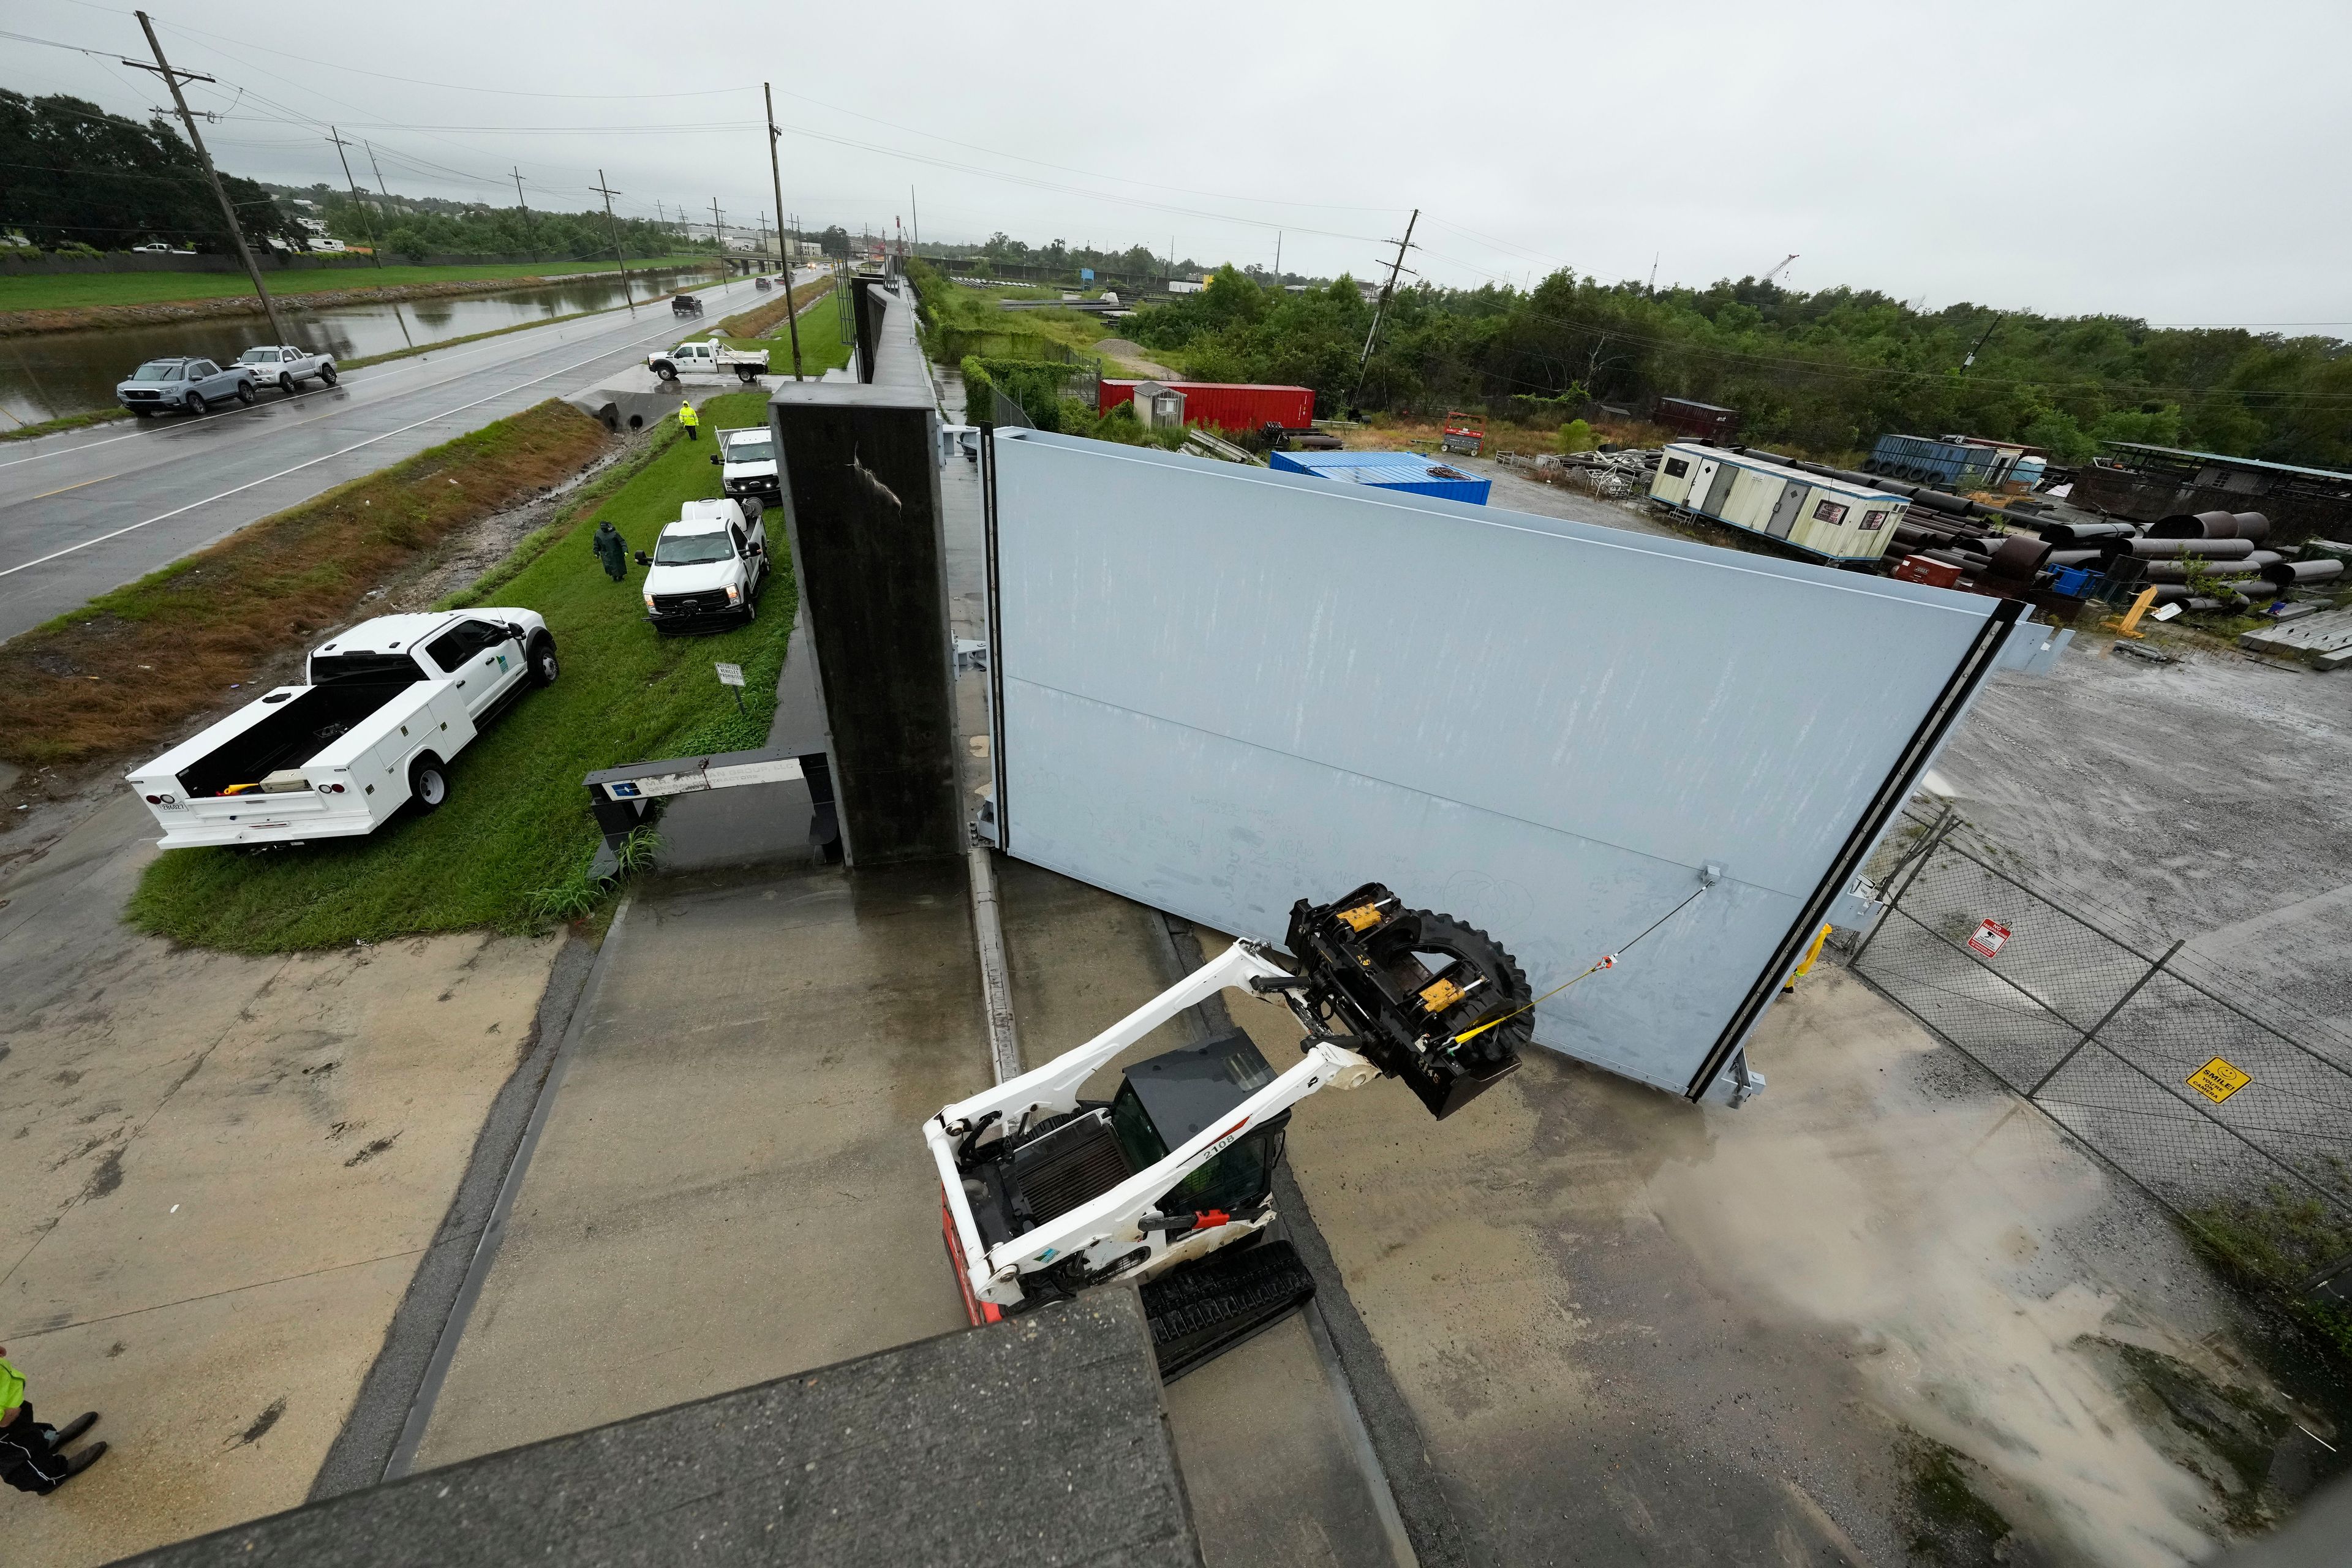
x=1073 y=1164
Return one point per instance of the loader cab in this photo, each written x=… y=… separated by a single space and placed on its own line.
x=1171 y=1099
x=1019 y=1182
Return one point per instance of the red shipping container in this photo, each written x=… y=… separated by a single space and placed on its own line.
x=1228 y=406
x=1935 y=573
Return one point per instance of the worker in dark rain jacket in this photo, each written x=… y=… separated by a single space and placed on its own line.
x=33 y=1457
x=612 y=549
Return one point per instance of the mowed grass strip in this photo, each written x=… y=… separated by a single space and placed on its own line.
x=123 y=673
x=516 y=821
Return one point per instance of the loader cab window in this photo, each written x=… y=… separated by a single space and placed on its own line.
x=1170 y=1099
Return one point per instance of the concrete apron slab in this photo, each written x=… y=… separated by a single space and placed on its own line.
x=1275 y=1472
x=1667 y=1333
x=222 y=1173
x=731 y=1185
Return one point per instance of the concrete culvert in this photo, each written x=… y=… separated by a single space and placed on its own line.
x=2201 y=525
x=2287 y=574
x=2175 y=549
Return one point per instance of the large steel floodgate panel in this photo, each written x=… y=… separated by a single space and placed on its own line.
x=1224 y=688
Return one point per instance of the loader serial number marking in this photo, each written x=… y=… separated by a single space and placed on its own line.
x=2217 y=1080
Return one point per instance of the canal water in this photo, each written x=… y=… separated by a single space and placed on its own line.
x=49 y=374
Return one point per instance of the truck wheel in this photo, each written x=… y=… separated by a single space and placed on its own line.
x=428 y=783
x=327 y=376
x=245 y=392
x=745 y=373
x=543 y=666
x=286 y=384
x=666 y=370
x=193 y=402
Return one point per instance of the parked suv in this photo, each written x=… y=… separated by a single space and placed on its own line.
x=184 y=385
x=708 y=567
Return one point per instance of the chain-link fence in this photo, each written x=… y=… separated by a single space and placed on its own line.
x=2211 y=1109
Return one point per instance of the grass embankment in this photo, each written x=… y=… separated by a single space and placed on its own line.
x=84 y=291
x=510 y=848
x=763 y=327
x=122 y=674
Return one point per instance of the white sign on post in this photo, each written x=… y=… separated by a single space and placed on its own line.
x=731 y=675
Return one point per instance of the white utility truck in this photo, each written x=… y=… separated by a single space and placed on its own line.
x=746 y=459
x=383 y=710
x=1168 y=1184
x=708 y=567
x=709 y=357
x=288 y=366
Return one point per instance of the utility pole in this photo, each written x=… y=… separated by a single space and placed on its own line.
x=1381 y=309
x=375 y=251
x=718 y=233
x=380 y=186
x=529 y=243
x=613 y=227
x=1981 y=342
x=916 y=214
x=172 y=79
x=776 y=174
x=1277 y=260
x=1654 y=272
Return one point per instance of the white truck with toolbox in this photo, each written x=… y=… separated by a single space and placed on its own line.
x=383 y=710
x=709 y=357
x=746 y=461
x=707 y=568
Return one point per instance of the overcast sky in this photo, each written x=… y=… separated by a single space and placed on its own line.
x=2183 y=164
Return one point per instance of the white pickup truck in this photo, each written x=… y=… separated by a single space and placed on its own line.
x=709 y=357
x=746 y=461
x=707 y=568
x=383 y=710
x=288 y=365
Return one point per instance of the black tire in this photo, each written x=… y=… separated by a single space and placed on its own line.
x=428 y=783
x=746 y=374
x=143 y=414
x=194 y=404
x=666 y=370
x=1441 y=933
x=327 y=373
x=245 y=392
x=286 y=384
x=544 y=666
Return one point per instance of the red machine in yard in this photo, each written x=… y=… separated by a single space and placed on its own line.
x=1462 y=434
x=1228 y=406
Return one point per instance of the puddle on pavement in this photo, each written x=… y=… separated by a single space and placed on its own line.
x=1924 y=1225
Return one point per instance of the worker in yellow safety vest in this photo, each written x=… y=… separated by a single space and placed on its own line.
x=32 y=1453
x=689 y=419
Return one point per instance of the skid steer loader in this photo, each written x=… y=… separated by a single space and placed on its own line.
x=1169 y=1183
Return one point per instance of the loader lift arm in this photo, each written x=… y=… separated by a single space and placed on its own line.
x=1168 y=1184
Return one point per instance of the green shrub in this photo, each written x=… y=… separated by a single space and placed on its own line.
x=1576 y=436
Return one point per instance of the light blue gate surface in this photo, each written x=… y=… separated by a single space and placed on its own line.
x=1225 y=689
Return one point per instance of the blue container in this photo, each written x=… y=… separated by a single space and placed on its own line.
x=1407 y=471
x=1954 y=465
x=2072 y=582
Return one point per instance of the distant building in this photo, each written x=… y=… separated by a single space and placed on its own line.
x=2146 y=484
x=1688 y=416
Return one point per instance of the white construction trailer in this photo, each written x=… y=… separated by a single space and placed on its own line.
x=1824 y=517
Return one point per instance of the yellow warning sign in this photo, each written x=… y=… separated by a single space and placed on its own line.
x=2217 y=1080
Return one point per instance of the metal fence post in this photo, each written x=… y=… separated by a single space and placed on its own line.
x=2106 y=1018
x=1915 y=863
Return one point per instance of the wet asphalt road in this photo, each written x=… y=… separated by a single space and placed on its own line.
x=90 y=510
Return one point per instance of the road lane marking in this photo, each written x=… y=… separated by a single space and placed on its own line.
x=419 y=363
x=224 y=495
x=63 y=488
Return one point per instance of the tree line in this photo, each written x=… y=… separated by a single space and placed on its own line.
x=1827 y=371
x=73 y=176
